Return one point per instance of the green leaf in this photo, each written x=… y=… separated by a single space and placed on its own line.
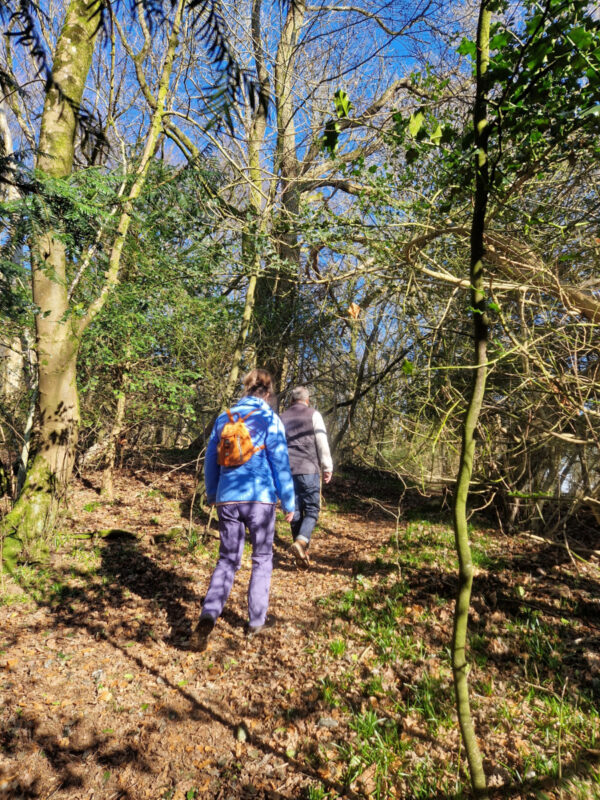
x=467 y=48
x=343 y=106
x=581 y=38
x=498 y=41
x=331 y=136
x=436 y=136
x=408 y=367
x=415 y=123
x=411 y=155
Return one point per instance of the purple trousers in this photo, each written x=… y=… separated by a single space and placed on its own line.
x=234 y=518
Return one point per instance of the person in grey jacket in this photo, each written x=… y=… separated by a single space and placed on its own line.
x=309 y=454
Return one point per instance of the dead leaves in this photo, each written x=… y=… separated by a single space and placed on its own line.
x=103 y=684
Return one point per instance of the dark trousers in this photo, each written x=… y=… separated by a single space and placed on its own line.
x=308 y=505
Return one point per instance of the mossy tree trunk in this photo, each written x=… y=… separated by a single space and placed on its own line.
x=56 y=339
x=58 y=332
x=480 y=331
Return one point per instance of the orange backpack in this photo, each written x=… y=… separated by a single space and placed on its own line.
x=235 y=445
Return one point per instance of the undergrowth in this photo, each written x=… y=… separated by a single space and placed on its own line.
x=535 y=708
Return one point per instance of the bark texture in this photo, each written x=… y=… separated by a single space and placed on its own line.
x=276 y=294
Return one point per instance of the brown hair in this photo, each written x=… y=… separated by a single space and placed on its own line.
x=258 y=382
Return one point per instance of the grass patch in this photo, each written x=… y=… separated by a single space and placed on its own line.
x=337 y=648
x=432 y=698
x=535 y=704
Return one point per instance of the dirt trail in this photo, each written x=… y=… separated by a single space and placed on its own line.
x=102 y=699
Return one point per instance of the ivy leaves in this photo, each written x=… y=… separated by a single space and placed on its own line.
x=543 y=92
x=544 y=86
x=331 y=134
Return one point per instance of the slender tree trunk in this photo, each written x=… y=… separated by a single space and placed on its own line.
x=358 y=370
x=111 y=450
x=276 y=295
x=15 y=352
x=238 y=354
x=250 y=253
x=465 y=574
x=24 y=458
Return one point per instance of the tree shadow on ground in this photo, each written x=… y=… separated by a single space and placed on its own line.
x=129 y=569
x=96 y=607
x=126 y=568
x=556 y=639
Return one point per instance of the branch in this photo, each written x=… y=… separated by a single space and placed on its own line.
x=346 y=185
x=361 y=121
x=114 y=263
x=376 y=380
x=518 y=264
x=364 y=13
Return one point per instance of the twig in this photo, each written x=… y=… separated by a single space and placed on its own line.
x=396 y=514
x=560 y=728
x=568 y=549
x=364 y=652
x=171 y=471
x=196 y=475
x=540 y=688
x=211 y=512
x=560 y=544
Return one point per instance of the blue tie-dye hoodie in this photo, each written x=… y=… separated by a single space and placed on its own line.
x=266 y=476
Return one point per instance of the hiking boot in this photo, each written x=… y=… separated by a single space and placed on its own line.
x=255 y=630
x=299 y=552
x=199 y=638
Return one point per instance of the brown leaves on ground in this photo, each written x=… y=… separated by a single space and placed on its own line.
x=102 y=699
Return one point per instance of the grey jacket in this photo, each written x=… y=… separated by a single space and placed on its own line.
x=307 y=440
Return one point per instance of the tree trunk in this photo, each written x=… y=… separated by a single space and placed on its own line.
x=276 y=294
x=58 y=332
x=34 y=514
x=111 y=450
x=57 y=343
x=480 y=330
x=238 y=354
x=250 y=253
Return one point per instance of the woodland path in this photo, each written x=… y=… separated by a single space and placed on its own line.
x=101 y=697
x=348 y=696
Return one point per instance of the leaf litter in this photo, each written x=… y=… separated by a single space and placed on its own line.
x=348 y=695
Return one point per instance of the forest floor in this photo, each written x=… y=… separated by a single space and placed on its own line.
x=348 y=696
